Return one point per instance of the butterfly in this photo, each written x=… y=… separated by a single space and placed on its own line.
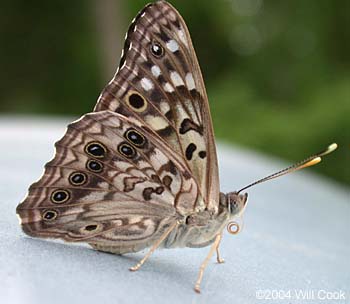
x=141 y=171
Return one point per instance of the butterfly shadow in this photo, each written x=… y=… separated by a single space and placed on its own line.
x=163 y=264
x=83 y=261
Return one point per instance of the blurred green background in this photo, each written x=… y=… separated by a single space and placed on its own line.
x=277 y=72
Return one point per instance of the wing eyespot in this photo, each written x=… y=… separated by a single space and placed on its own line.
x=91 y=228
x=157 y=50
x=60 y=196
x=94 y=166
x=96 y=149
x=136 y=101
x=127 y=150
x=135 y=138
x=49 y=215
x=78 y=178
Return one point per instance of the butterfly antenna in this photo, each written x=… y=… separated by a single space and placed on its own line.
x=308 y=162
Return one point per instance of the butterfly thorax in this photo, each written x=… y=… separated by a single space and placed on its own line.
x=198 y=229
x=201 y=228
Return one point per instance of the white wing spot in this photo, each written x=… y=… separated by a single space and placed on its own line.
x=172 y=16
x=164 y=107
x=182 y=37
x=172 y=46
x=118 y=222
x=94 y=195
x=156 y=122
x=146 y=84
x=156 y=71
x=190 y=82
x=176 y=79
x=168 y=88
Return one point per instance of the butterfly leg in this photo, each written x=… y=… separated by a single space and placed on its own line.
x=154 y=247
x=213 y=248
x=218 y=256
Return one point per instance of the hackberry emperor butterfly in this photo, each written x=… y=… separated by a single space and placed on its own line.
x=141 y=171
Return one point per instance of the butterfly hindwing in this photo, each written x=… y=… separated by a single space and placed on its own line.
x=112 y=181
x=159 y=82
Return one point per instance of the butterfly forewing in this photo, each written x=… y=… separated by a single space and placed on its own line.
x=159 y=82
x=112 y=181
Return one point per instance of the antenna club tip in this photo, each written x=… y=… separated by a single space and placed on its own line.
x=329 y=149
x=332 y=147
x=310 y=161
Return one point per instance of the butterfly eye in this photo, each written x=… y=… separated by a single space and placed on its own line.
x=157 y=50
x=49 y=215
x=135 y=138
x=96 y=149
x=60 y=196
x=94 y=166
x=126 y=150
x=77 y=178
x=136 y=102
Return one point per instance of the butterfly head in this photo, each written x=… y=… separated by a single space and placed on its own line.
x=236 y=202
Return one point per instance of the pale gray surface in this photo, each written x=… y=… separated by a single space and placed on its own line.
x=295 y=237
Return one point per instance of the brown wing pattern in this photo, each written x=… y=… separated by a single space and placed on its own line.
x=112 y=181
x=159 y=82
